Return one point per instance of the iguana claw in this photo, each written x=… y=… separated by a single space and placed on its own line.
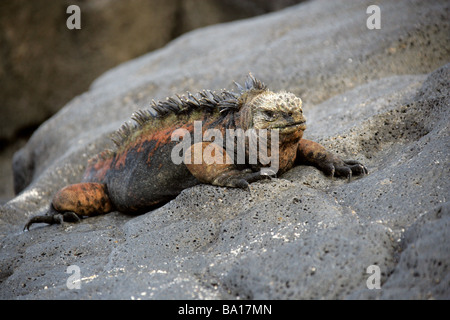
x=52 y=217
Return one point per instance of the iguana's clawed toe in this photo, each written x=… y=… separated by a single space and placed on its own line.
x=52 y=217
x=351 y=168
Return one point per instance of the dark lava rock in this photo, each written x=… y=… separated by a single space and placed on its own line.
x=378 y=96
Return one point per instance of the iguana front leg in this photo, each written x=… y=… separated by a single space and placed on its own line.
x=310 y=152
x=214 y=166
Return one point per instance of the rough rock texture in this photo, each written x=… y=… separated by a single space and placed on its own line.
x=379 y=96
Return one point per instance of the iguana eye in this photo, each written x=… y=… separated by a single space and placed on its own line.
x=269 y=114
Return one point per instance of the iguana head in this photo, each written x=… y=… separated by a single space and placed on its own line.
x=264 y=109
x=282 y=111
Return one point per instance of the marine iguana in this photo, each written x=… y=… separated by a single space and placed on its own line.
x=139 y=174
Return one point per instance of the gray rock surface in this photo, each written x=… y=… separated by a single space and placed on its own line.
x=378 y=96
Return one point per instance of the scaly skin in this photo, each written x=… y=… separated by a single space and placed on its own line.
x=140 y=173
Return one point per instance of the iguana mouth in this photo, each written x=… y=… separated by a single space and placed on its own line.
x=293 y=126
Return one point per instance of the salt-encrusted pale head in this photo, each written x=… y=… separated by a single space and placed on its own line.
x=282 y=111
x=264 y=109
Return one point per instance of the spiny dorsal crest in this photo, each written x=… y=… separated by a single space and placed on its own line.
x=251 y=83
x=206 y=100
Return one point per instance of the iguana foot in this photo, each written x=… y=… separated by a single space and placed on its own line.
x=344 y=168
x=53 y=217
x=74 y=201
x=241 y=178
x=313 y=153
